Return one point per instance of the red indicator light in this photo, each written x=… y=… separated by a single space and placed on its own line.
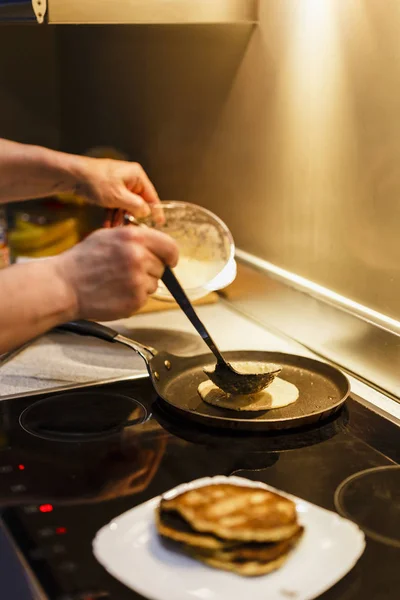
x=45 y=508
x=21 y=467
x=61 y=530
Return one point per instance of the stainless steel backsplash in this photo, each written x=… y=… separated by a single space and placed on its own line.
x=289 y=131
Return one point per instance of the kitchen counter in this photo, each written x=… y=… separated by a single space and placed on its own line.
x=60 y=359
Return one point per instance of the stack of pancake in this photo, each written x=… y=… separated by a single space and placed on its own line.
x=247 y=530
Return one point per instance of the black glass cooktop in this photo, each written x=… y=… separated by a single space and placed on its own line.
x=72 y=461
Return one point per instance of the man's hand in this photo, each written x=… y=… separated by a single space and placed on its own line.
x=116 y=184
x=111 y=274
x=35 y=172
x=106 y=277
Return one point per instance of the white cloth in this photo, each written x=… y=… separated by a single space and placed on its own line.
x=60 y=358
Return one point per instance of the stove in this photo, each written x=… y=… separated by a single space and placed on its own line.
x=71 y=461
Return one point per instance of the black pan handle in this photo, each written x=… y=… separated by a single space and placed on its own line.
x=101 y=332
x=83 y=327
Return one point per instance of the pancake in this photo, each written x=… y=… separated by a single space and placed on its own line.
x=172 y=526
x=234 y=512
x=278 y=394
x=248 y=559
x=247 y=569
x=258 y=551
x=247 y=530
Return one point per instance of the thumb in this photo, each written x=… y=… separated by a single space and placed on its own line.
x=134 y=204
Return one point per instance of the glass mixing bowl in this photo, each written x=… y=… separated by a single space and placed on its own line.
x=206 y=248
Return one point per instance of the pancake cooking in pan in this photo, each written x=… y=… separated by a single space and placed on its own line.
x=278 y=394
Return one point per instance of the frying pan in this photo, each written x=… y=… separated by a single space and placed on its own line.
x=322 y=388
x=249 y=443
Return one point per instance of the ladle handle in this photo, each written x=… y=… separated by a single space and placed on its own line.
x=175 y=289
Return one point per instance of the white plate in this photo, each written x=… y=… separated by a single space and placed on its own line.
x=130 y=550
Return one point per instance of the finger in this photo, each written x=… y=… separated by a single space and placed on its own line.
x=142 y=185
x=157 y=214
x=155 y=267
x=108 y=220
x=151 y=285
x=160 y=244
x=134 y=204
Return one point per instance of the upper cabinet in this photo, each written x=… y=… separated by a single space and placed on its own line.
x=70 y=12
x=22 y=11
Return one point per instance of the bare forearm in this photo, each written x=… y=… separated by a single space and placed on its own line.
x=34 y=172
x=33 y=299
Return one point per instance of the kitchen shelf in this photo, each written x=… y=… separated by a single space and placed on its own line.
x=70 y=12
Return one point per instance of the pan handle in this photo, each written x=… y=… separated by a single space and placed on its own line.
x=90 y=328
x=101 y=332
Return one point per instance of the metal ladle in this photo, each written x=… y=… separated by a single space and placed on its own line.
x=224 y=376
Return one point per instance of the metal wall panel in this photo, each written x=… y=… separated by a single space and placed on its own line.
x=293 y=138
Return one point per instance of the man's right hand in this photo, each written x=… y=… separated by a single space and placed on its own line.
x=111 y=274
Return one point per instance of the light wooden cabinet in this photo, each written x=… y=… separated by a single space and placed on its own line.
x=151 y=11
